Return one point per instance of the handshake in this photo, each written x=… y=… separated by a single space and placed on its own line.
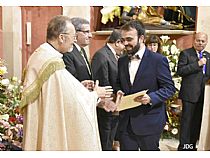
x=108 y=101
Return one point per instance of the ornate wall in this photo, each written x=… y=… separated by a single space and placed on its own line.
x=184 y=38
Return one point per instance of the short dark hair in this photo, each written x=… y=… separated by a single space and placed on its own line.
x=114 y=36
x=56 y=26
x=134 y=24
x=78 y=22
x=154 y=39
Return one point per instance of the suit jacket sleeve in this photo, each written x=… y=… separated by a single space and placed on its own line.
x=165 y=83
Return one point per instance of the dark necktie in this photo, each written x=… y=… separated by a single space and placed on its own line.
x=85 y=59
x=84 y=54
x=204 y=66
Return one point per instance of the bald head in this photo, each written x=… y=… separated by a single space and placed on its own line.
x=200 y=41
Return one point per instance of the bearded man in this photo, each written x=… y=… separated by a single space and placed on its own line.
x=140 y=69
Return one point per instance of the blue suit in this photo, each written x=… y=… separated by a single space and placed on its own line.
x=146 y=120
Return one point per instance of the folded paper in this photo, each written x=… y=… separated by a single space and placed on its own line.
x=129 y=101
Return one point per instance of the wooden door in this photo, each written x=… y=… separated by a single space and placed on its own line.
x=38 y=17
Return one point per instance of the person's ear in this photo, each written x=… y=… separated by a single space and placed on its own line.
x=141 y=39
x=117 y=43
x=61 y=38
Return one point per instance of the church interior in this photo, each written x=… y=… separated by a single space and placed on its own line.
x=23 y=29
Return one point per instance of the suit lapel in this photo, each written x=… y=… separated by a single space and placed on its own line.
x=111 y=55
x=78 y=55
x=81 y=59
x=125 y=67
x=142 y=66
x=193 y=55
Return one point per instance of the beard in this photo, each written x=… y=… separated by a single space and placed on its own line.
x=132 y=51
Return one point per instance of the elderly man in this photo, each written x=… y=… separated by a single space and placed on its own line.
x=194 y=70
x=59 y=112
x=76 y=61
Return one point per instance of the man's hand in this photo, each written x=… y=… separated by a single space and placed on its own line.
x=108 y=105
x=103 y=92
x=202 y=62
x=145 y=99
x=118 y=97
x=89 y=84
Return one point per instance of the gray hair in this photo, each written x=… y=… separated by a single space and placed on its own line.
x=78 y=22
x=56 y=26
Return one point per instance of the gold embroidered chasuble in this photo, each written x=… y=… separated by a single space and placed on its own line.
x=59 y=112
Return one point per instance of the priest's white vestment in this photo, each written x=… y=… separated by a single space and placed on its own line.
x=59 y=112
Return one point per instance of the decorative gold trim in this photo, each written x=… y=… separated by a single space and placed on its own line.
x=31 y=93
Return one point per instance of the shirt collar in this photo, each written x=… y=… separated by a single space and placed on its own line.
x=199 y=51
x=112 y=49
x=78 y=47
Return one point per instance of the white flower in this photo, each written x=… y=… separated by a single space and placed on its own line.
x=166 y=127
x=171 y=65
x=107 y=9
x=174 y=49
x=3 y=70
x=175 y=57
x=172 y=73
x=174 y=42
x=4 y=117
x=14 y=79
x=5 y=82
x=174 y=131
x=164 y=38
x=5 y=123
x=177 y=82
x=165 y=48
x=175 y=69
x=10 y=87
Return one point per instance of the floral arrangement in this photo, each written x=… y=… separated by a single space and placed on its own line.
x=170 y=50
x=11 y=121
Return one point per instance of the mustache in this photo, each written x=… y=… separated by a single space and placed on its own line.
x=132 y=51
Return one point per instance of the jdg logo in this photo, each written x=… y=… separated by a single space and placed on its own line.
x=188 y=146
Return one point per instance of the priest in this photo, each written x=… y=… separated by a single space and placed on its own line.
x=59 y=112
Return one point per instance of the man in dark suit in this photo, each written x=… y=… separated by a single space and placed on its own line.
x=76 y=61
x=140 y=69
x=193 y=67
x=104 y=69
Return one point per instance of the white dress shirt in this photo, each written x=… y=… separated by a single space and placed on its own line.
x=134 y=64
x=86 y=62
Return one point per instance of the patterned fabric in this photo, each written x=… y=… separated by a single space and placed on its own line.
x=63 y=116
x=32 y=92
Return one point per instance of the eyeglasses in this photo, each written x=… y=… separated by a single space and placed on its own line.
x=85 y=32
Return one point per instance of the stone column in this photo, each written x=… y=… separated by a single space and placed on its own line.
x=12 y=40
x=203 y=22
